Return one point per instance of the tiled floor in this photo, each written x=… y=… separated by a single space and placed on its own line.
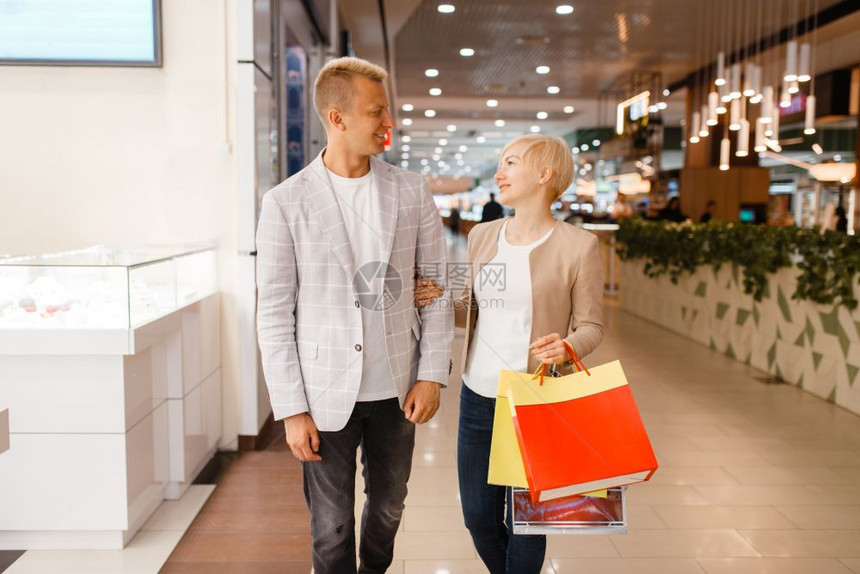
x=754 y=478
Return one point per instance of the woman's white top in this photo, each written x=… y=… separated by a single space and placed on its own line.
x=503 y=291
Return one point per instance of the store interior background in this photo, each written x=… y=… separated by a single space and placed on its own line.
x=167 y=155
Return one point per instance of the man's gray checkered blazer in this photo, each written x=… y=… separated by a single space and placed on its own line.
x=308 y=311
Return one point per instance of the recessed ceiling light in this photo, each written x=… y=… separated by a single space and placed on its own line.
x=500 y=123
x=443 y=141
x=467 y=52
x=407 y=107
x=666 y=92
x=431 y=72
x=553 y=90
x=425 y=161
x=446 y=8
x=564 y=9
x=492 y=103
x=436 y=157
x=542 y=115
x=406 y=139
x=535 y=129
x=458 y=156
x=452 y=128
x=430 y=113
x=596 y=143
x=405 y=147
x=404 y=155
x=438 y=150
x=568 y=109
x=584 y=147
x=404 y=163
x=435 y=91
x=542 y=69
x=480 y=139
x=463 y=148
x=406 y=121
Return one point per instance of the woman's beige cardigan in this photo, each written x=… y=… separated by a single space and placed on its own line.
x=567 y=286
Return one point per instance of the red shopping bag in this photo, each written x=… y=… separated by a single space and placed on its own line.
x=580 y=433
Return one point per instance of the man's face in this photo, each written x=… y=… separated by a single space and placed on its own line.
x=368 y=121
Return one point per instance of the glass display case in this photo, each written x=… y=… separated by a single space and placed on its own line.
x=98 y=288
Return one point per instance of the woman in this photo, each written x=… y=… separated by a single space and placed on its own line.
x=533 y=282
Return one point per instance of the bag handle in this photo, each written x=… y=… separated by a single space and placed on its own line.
x=578 y=365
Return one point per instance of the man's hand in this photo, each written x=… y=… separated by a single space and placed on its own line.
x=421 y=402
x=303 y=437
x=426 y=291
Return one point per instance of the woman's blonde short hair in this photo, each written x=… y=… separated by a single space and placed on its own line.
x=544 y=151
x=334 y=86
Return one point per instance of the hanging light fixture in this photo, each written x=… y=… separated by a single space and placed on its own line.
x=743 y=139
x=735 y=115
x=803 y=67
x=713 y=104
x=790 y=61
x=703 y=127
x=809 y=124
x=766 y=114
x=721 y=69
x=760 y=139
x=793 y=87
x=725 y=149
x=695 y=127
x=785 y=97
x=736 y=81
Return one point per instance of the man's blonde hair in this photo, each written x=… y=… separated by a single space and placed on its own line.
x=545 y=151
x=334 y=85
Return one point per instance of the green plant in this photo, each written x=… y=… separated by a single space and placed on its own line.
x=828 y=262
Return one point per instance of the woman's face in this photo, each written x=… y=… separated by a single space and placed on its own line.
x=516 y=179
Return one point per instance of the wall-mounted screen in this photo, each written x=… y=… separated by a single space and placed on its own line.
x=85 y=32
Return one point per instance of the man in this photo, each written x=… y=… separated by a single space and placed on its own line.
x=710 y=208
x=492 y=210
x=348 y=360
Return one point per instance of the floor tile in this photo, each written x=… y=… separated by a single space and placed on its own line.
x=811 y=543
x=681 y=544
x=627 y=566
x=831 y=517
x=584 y=546
x=708 y=517
x=417 y=546
x=773 y=566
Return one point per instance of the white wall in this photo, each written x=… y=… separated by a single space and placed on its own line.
x=130 y=156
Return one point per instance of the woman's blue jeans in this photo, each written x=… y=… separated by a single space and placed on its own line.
x=484 y=504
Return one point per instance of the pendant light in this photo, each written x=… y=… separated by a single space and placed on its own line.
x=713 y=104
x=694 y=129
x=809 y=124
x=703 y=125
x=760 y=144
x=735 y=115
x=743 y=139
x=725 y=148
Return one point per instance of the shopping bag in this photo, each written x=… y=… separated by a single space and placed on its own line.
x=579 y=433
x=577 y=514
x=506 y=461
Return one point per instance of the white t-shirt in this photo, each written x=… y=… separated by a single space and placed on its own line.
x=503 y=290
x=358 y=201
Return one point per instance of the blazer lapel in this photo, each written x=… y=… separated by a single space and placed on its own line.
x=324 y=204
x=389 y=203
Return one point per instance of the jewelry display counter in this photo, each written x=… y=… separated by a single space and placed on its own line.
x=110 y=368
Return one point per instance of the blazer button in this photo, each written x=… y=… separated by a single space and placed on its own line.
x=357 y=304
x=358 y=347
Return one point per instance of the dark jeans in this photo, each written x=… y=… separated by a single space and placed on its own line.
x=484 y=504
x=387 y=440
